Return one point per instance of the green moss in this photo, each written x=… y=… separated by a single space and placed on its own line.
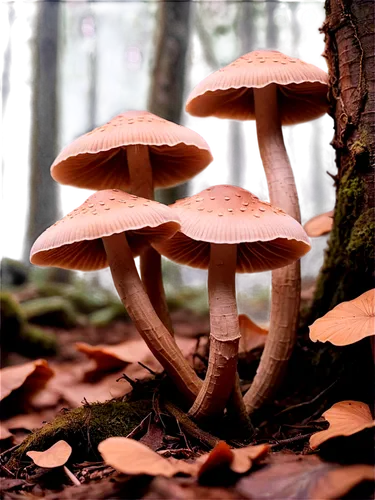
x=341 y=262
x=12 y=316
x=13 y=272
x=84 y=428
x=55 y=311
x=362 y=237
x=106 y=315
x=37 y=342
x=18 y=335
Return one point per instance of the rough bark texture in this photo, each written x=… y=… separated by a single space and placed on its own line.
x=43 y=209
x=348 y=268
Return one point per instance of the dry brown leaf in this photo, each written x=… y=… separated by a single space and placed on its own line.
x=219 y=456
x=239 y=459
x=244 y=457
x=319 y=225
x=345 y=418
x=131 y=457
x=34 y=375
x=252 y=335
x=348 y=322
x=112 y=357
x=55 y=456
x=307 y=477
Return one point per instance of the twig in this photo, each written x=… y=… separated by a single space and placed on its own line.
x=305 y=403
x=128 y=379
x=9 y=450
x=291 y=440
x=147 y=368
x=190 y=427
x=139 y=427
x=71 y=476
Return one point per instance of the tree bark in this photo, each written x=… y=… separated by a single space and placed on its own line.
x=348 y=268
x=170 y=74
x=272 y=31
x=43 y=190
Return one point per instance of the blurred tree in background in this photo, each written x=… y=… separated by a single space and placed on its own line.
x=43 y=190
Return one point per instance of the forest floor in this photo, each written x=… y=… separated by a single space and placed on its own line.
x=110 y=364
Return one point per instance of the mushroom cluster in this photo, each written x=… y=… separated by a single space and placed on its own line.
x=224 y=229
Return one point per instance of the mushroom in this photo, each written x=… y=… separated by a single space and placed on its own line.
x=109 y=228
x=227 y=230
x=135 y=151
x=275 y=90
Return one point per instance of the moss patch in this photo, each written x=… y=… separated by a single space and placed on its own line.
x=84 y=428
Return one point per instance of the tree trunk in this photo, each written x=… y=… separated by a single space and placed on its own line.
x=247 y=26
x=168 y=76
x=7 y=59
x=43 y=208
x=272 y=31
x=295 y=27
x=348 y=268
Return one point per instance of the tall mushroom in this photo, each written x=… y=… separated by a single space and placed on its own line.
x=109 y=229
x=227 y=230
x=136 y=151
x=275 y=90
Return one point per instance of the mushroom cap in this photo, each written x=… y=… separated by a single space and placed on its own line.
x=319 y=225
x=228 y=92
x=267 y=237
x=75 y=241
x=98 y=160
x=348 y=322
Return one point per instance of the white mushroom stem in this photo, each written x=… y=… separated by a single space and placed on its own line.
x=135 y=299
x=224 y=334
x=286 y=282
x=141 y=182
x=71 y=476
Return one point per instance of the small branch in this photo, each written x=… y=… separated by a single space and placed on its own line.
x=306 y=403
x=291 y=440
x=71 y=476
x=190 y=427
x=147 y=368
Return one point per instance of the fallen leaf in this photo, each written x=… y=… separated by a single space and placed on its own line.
x=32 y=376
x=243 y=457
x=238 y=459
x=131 y=457
x=55 y=456
x=110 y=357
x=252 y=335
x=348 y=322
x=345 y=418
x=302 y=477
x=319 y=225
x=219 y=456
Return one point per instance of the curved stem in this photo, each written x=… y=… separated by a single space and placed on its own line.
x=141 y=182
x=148 y=324
x=286 y=282
x=224 y=333
x=71 y=476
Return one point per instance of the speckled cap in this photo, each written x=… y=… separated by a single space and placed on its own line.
x=98 y=160
x=228 y=92
x=267 y=237
x=74 y=242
